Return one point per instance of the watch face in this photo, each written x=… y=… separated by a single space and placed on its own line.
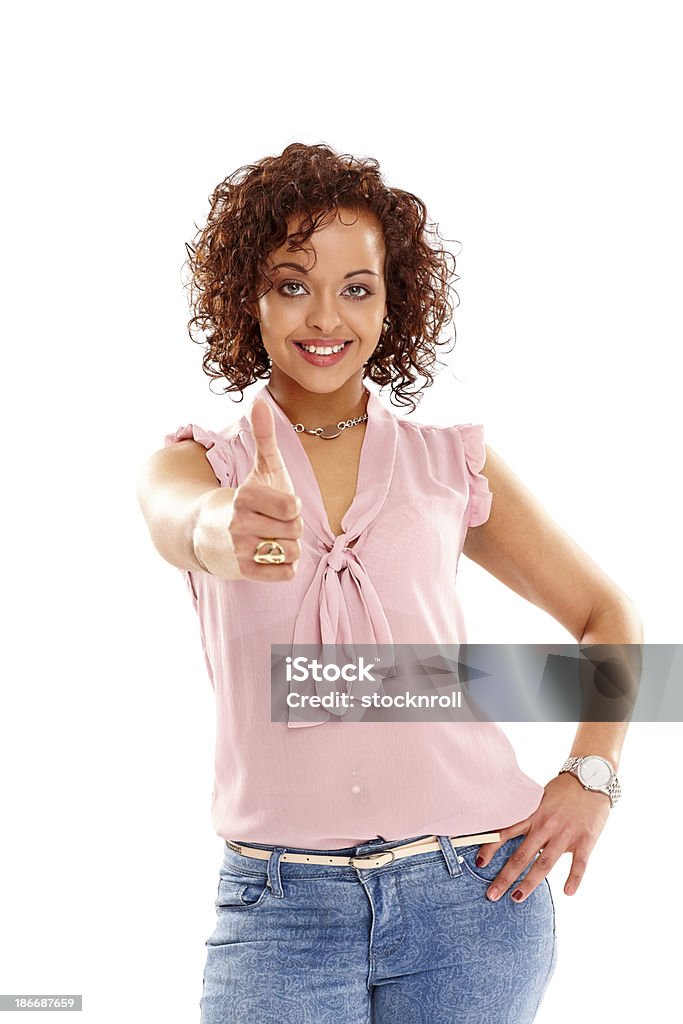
x=594 y=772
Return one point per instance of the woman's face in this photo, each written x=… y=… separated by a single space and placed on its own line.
x=342 y=299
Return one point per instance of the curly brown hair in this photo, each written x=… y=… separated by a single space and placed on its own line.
x=248 y=219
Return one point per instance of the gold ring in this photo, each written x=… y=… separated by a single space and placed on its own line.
x=274 y=555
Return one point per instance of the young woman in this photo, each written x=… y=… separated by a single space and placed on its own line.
x=393 y=872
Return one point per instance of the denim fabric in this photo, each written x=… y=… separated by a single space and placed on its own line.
x=414 y=941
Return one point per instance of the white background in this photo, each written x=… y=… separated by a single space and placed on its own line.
x=544 y=139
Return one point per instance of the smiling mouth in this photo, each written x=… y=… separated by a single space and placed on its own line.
x=322 y=350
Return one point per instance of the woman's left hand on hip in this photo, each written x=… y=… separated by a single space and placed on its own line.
x=568 y=819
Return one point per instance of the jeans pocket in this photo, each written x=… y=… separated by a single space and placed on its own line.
x=489 y=871
x=235 y=893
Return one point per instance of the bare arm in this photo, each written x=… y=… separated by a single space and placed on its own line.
x=174 y=486
x=522 y=546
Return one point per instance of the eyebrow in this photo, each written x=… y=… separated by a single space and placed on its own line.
x=297 y=266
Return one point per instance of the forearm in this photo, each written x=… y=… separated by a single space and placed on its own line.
x=186 y=511
x=210 y=541
x=617 y=623
x=603 y=738
x=177 y=518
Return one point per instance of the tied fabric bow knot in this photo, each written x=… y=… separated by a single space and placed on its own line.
x=350 y=615
x=339 y=553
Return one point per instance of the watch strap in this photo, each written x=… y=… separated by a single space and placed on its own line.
x=614 y=790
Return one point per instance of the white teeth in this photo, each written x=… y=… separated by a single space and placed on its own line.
x=326 y=351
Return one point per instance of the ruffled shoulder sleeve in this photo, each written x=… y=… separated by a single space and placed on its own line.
x=480 y=497
x=218 y=450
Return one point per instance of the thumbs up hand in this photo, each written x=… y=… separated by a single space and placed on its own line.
x=265 y=506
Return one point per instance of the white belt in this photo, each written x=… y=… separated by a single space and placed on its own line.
x=369 y=860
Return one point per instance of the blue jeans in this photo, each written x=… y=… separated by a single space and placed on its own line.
x=414 y=941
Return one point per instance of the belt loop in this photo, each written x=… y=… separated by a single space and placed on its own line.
x=274 y=879
x=450 y=855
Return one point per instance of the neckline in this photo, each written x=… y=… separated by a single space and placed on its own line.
x=371 y=489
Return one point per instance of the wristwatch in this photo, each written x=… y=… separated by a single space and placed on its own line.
x=594 y=772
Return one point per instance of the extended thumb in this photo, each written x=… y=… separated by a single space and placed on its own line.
x=268 y=461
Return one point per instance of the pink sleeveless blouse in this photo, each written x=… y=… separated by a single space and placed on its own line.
x=323 y=785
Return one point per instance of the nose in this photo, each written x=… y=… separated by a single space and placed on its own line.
x=324 y=316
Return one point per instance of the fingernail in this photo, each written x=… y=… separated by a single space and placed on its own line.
x=479 y=861
x=492 y=894
x=517 y=894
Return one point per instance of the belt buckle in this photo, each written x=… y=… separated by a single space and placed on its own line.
x=372 y=856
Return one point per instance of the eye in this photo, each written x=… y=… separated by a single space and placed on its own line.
x=366 y=290
x=298 y=284
x=286 y=284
